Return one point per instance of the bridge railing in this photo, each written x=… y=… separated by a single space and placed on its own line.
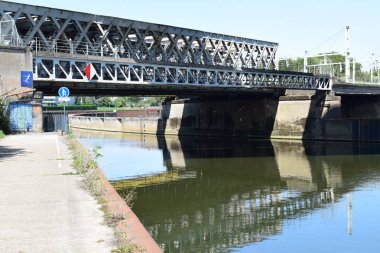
x=55 y=47
x=77 y=48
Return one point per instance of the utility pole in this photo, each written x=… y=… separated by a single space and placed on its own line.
x=347 y=58
x=371 y=67
x=305 y=62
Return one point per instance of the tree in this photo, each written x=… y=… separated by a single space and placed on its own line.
x=86 y=100
x=133 y=101
x=337 y=70
x=154 y=101
x=119 y=102
x=104 y=101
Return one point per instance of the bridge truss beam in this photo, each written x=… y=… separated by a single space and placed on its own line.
x=99 y=35
x=120 y=72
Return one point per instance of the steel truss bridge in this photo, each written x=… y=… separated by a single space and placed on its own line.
x=144 y=58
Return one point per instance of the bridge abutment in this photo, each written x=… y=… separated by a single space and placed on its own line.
x=13 y=61
x=25 y=113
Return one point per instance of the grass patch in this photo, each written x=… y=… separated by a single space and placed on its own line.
x=87 y=167
x=2 y=134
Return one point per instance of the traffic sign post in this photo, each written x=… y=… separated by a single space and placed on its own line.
x=64 y=94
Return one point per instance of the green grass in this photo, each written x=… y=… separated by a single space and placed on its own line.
x=2 y=135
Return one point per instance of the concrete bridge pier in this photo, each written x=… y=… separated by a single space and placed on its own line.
x=361 y=107
x=286 y=115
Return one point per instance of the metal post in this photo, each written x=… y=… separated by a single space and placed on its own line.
x=347 y=58
x=305 y=62
x=101 y=50
x=71 y=47
x=86 y=49
x=374 y=68
x=64 y=117
x=371 y=67
x=36 y=39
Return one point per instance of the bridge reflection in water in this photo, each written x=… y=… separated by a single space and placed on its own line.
x=221 y=194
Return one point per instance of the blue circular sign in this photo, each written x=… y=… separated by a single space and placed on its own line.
x=64 y=92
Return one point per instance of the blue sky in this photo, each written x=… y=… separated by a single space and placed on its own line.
x=298 y=25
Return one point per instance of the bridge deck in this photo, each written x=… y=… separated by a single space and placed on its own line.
x=357 y=89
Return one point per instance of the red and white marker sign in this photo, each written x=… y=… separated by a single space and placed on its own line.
x=90 y=71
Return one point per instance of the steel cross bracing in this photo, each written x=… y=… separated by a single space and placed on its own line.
x=133 y=52
x=109 y=36
x=56 y=69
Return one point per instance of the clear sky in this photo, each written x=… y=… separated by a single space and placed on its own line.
x=298 y=25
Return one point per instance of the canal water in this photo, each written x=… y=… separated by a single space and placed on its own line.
x=209 y=195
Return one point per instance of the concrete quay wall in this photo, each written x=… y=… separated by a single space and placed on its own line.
x=315 y=118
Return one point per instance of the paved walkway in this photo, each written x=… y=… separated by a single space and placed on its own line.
x=41 y=208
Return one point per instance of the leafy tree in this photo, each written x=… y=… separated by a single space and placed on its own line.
x=154 y=101
x=86 y=100
x=337 y=70
x=105 y=101
x=119 y=102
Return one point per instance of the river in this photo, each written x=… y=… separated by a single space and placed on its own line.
x=209 y=195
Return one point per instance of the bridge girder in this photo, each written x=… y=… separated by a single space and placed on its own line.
x=55 y=29
x=151 y=79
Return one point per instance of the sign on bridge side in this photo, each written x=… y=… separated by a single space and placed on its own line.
x=27 y=79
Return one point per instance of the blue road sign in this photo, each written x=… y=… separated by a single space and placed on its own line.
x=27 y=79
x=64 y=92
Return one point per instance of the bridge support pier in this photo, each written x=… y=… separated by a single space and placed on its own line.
x=361 y=107
x=291 y=116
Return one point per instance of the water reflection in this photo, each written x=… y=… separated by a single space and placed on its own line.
x=218 y=195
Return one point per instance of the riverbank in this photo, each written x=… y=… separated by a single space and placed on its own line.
x=129 y=231
x=42 y=206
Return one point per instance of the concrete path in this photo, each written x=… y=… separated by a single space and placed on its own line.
x=41 y=208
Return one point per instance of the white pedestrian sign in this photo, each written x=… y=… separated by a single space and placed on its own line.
x=64 y=92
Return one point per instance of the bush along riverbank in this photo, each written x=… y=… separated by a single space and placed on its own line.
x=131 y=235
